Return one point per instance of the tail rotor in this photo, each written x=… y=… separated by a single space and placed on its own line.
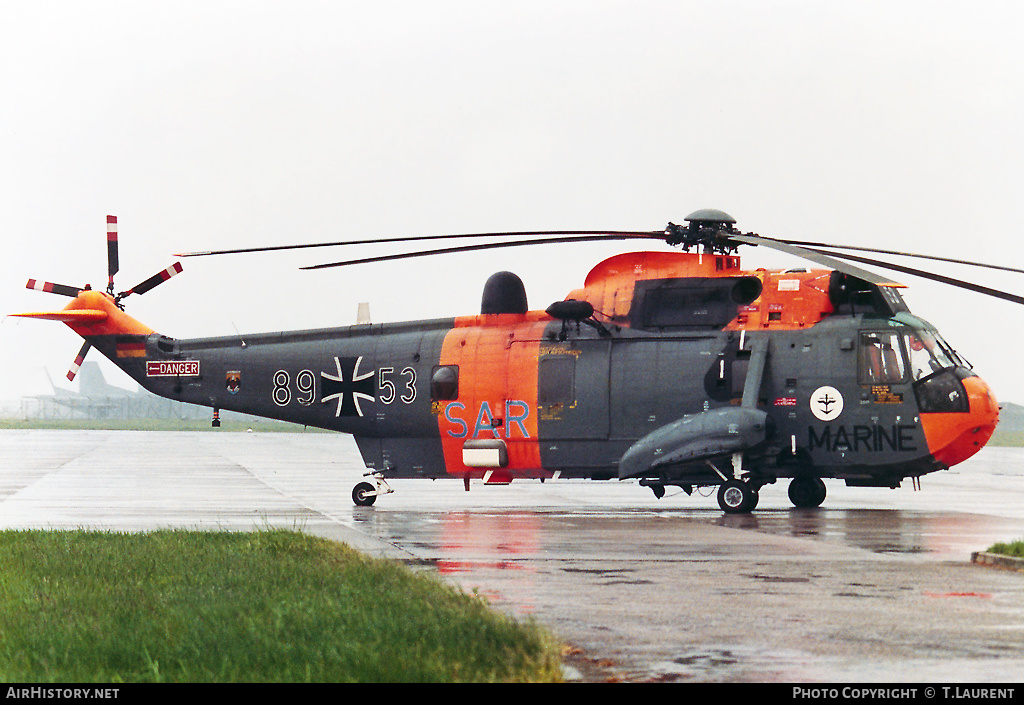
x=71 y=314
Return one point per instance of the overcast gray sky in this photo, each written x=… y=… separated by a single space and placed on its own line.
x=222 y=124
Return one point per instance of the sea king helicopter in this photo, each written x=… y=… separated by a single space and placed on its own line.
x=677 y=368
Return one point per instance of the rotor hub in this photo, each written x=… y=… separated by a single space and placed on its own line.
x=708 y=228
x=711 y=216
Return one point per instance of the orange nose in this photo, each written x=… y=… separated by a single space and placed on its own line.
x=955 y=437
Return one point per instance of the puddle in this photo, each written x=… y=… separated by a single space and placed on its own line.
x=728 y=663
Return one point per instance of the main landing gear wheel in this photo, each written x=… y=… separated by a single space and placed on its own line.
x=737 y=497
x=364 y=494
x=807 y=492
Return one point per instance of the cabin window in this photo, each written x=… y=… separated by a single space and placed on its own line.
x=556 y=382
x=881 y=358
x=444 y=383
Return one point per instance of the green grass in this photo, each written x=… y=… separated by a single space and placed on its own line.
x=1007 y=438
x=270 y=606
x=1014 y=549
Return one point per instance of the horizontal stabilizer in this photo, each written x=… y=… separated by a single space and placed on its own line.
x=84 y=315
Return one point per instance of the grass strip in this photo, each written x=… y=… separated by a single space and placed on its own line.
x=1015 y=549
x=1007 y=438
x=270 y=606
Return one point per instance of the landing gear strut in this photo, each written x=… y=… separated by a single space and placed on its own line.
x=737 y=497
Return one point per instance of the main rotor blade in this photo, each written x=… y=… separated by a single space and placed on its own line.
x=814 y=256
x=987 y=291
x=904 y=254
x=61 y=289
x=153 y=281
x=605 y=235
x=829 y=260
x=416 y=238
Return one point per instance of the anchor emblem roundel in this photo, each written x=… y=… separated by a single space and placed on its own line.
x=826 y=403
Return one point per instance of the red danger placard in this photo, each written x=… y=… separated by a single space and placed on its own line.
x=172 y=368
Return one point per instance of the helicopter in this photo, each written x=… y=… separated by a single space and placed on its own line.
x=669 y=368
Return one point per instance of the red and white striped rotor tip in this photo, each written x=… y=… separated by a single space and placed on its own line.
x=50 y=287
x=77 y=364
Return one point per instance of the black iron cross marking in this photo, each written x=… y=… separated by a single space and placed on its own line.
x=348 y=386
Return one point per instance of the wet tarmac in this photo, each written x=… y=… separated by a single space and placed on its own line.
x=876 y=586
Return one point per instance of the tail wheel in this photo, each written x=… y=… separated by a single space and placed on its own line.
x=737 y=497
x=364 y=494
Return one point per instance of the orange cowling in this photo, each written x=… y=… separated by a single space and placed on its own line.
x=497 y=355
x=955 y=437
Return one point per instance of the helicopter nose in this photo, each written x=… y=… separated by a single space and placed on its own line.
x=954 y=437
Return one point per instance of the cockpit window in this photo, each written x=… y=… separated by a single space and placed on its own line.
x=951 y=353
x=927 y=354
x=881 y=358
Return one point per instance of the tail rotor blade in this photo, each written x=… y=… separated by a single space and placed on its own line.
x=154 y=280
x=61 y=289
x=77 y=364
x=112 y=261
